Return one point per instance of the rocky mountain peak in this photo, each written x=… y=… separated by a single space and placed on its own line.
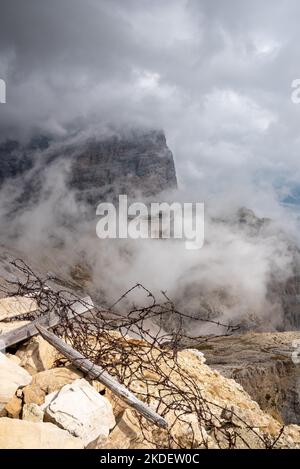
x=98 y=168
x=139 y=163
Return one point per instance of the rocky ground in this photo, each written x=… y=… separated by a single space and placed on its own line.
x=46 y=405
x=267 y=365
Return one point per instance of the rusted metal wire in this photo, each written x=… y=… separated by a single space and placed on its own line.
x=140 y=347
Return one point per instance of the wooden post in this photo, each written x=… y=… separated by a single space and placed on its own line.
x=98 y=373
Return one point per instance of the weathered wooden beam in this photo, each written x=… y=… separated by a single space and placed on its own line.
x=98 y=373
x=48 y=320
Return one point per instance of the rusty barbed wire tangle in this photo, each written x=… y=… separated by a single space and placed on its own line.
x=140 y=348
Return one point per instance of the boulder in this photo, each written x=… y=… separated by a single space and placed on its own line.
x=125 y=435
x=12 y=377
x=32 y=413
x=33 y=394
x=48 y=399
x=78 y=408
x=37 y=355
x=118 y=405
x=53 y=380
x=16 y=306
x=21 y=434
x=14 y=358
x=14 y=407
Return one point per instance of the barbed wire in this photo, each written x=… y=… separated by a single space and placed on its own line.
x=140 y=347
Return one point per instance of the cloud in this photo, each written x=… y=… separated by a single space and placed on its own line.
x=215 y=76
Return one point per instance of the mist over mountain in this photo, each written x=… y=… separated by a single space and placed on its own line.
x=50 y=188
x=181 y=103
x=96 y=169
x=83 y=98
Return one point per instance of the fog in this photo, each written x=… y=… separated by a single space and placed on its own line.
x=216 y=77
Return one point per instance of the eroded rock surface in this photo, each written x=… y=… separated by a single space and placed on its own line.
x=264 y=364
x=21 y=434
x=37 y=355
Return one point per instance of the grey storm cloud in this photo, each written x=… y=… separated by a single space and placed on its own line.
x=215 y=75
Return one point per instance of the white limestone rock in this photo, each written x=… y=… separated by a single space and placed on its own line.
x=32 y=413
x=78 y=408
x=12 y=377
x=20 y=434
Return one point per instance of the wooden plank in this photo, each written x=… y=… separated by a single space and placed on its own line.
x=98 y=373
x=48 y=320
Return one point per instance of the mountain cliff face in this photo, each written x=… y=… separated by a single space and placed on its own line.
x=97 y=169
x=141 y=164
x=14 y=161
x=266 y=365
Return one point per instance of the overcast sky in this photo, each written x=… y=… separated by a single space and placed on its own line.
x=215 y=75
